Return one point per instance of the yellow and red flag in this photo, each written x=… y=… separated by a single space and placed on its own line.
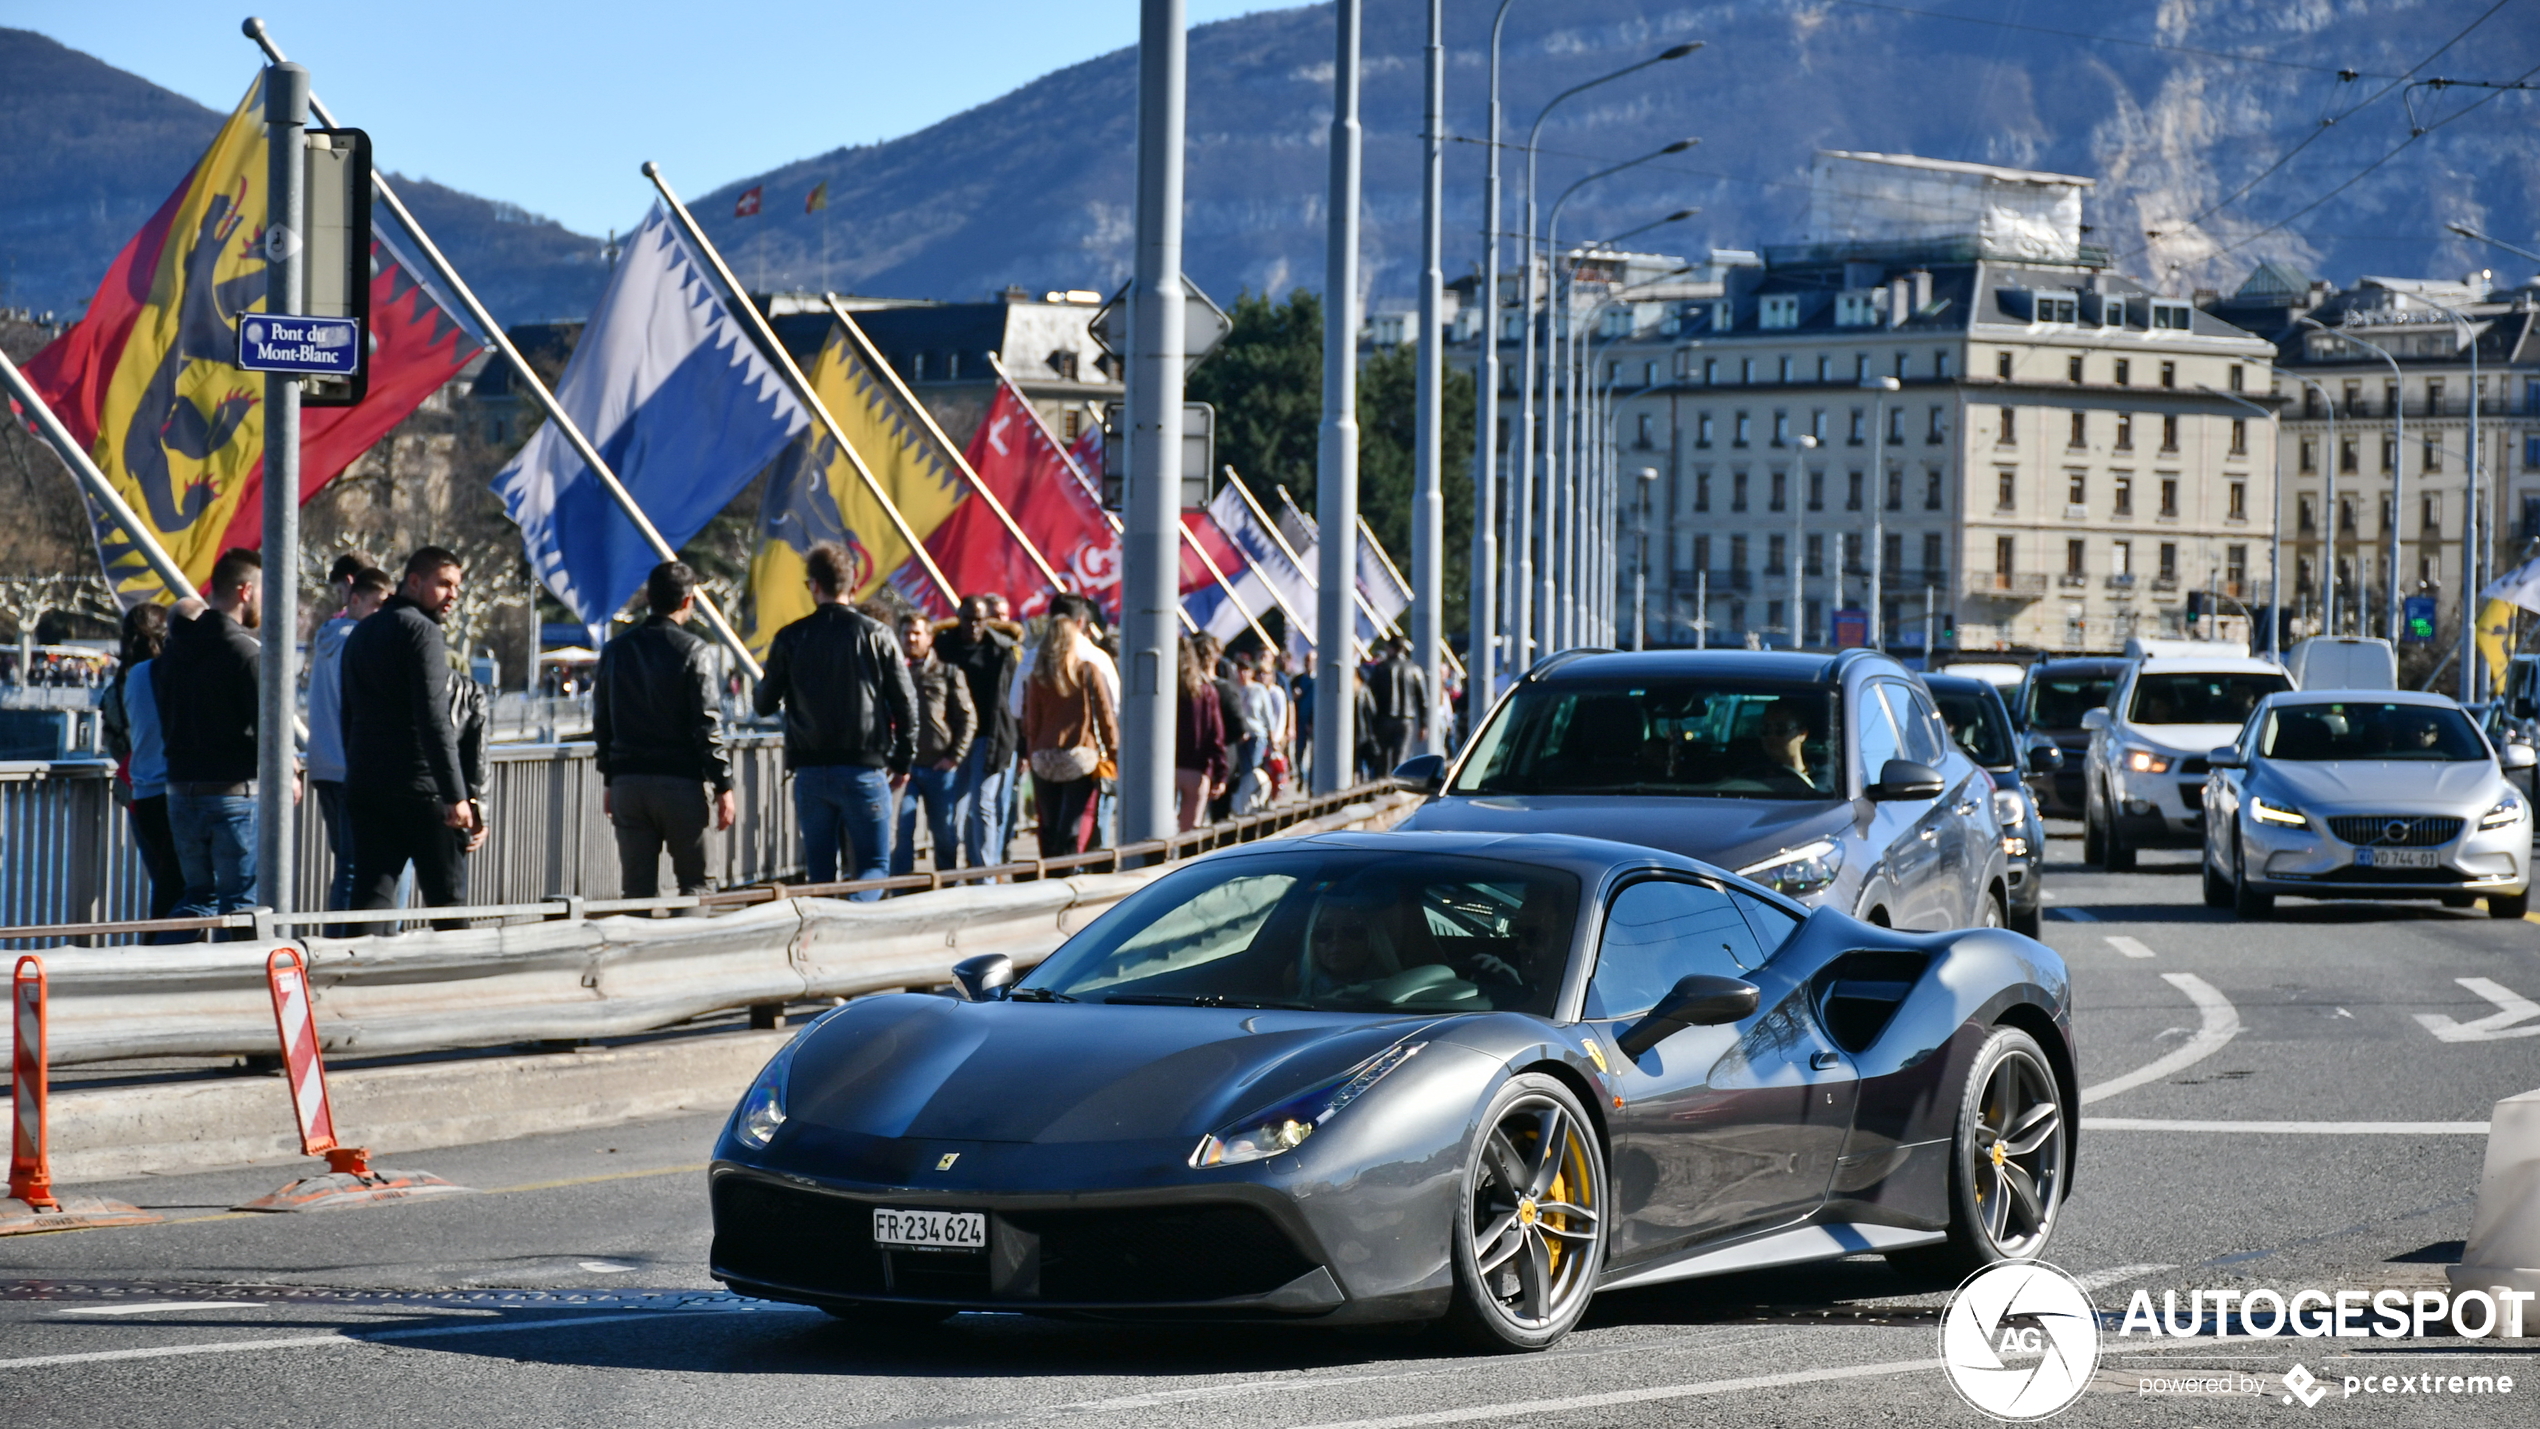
x=148 y=379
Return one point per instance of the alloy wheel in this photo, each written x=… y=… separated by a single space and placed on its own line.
x=1535 y=1229
x=2018 y=1154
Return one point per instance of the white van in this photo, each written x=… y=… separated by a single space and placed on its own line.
x=2344 y=662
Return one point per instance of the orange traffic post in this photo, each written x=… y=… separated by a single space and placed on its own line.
x=31 y=1205
x=349 y=1178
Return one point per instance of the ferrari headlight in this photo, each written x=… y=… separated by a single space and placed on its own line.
x=2145 y=761
x=1286 y=1126
x=2508 y=809
x=762 y=1108
x=2279 y=814
x=1809 y=868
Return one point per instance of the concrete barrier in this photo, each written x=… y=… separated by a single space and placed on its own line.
x=2503 y=1251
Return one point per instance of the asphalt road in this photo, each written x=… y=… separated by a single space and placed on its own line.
x=574 y=1292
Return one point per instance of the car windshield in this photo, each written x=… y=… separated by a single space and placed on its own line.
x=2059 y=701
x=2201 y=697
x=1976 y=721
x=2370 y=730
x=1329 y=931
x=1703 y=738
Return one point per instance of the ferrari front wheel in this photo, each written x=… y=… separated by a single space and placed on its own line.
x=2006 y=1167
x=1530 y=1225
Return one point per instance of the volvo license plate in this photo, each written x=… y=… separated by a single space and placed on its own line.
x=930 y=1230
x=2395 y=857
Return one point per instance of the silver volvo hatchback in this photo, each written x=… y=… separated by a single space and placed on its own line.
x=2365 y=794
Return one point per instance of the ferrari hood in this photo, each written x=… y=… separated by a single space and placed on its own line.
x=937 y=1069
x=1730 y=833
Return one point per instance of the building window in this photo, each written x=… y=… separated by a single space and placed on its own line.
x=1816 y=555
x=2306 y=516
x=1781 y=429
x=2076 y=489
x=2235 y=566
x=1777 y=555
x=1702 y=491
x=2346 y=516
x=2006 y=485
x=1746 y=371
x=2169 y=433
x=1644 y=429
x=2124 y=371
x=2389 y=454
x=2169 y=374
x=1931 y=488
x=1649 y=374
x=1940 y=365
x=2346 y=456
x=1785 y=369
x=2076 y=558
x=1702 y=557
x=2010 y=432
x=2169 y=560
x=1860 y=367
x=1816 y=491
x=2384 y=504
x=1857 y=309
x=2236 y=379
x=1895 y=489
x=2123 y=482
x=2239 y=501
x=1777 y=310
x=1852 y=498
x=2002 y=364
x=2310 y=455
x=1860 y=426
x=1896 y=426
x=1780 y=500
x=1710 y=370
x=1892 y=553
x=2072 y=369
x=2169 y=496
x=1737 y=491
x=2430 y=516
x=1938 y=431
x=2354 y=399
x=2120 y=562
x=1825 y=368
x=1742 y=427
x=1931 y=556
x=1702 y=429
x=1903 y=362
x=2081 y=431
x=1737 y=554
x=1817 y=423
x=2433 y=457
x=2125 y=431
x=2004 y=554
x=1775 y=611
x=2531 y=453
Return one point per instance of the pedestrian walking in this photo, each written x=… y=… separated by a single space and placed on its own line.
x=130 y=728
x=365 y=591
x=206 y=679
x=947 y=724
x=406 y=787
x=658 y=724
x=1071 y=728
x=1301 y=697
x=1399 y=690
x=1230 y=712
x=987 y=656
x=1260 y=703
x=850 y=724
x=1199 y=738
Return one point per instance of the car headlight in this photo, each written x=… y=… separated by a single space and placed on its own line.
x=2010 y=808
x=762 y=1108
x=1286 y=1126
x=1809 y=868
x=2267 y=813
x=2145 y=761
x=2508 y=809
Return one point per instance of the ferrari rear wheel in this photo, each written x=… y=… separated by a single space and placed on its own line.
x=1530 y=1228
x=2006 y=1168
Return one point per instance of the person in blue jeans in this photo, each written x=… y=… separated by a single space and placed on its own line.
x=946 y=724
x=204 y=682
x=850 y=724
x=983 y=649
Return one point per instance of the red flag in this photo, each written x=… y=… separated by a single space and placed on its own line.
x=1018 y=460
x=746 y=206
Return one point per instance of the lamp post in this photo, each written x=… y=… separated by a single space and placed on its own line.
x=1640 y=572
x=2275 y=525
x=1482 y=655
x=2471 y=543
x=1154 y=401
x=1428 y=499
x=1527 y=617
x=1336 y=454
x=1798 y=533
x=2398 y=471
x=1878 y=508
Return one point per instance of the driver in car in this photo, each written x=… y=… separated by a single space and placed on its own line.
x=1780 y=748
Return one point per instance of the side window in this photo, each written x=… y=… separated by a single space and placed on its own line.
x=1877 y=734
x=1661 y=931
x=1925 y=741
x=1770 y=922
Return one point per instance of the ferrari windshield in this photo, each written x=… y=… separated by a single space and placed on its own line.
x=1328 y=930
x=2370 y=730
x=1699 y=738
x=2201 y=697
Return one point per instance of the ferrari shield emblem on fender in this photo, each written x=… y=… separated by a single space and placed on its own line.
x=945 y=1161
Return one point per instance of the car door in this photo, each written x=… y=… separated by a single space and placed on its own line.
x=1723 y=1128
x=1962 y=823
x=1906 y=832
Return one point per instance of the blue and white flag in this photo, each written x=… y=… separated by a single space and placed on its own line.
x=1273 y=570
x=1379 y=583
x=681 y=404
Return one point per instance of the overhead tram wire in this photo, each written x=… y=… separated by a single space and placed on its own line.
x=2230 y=55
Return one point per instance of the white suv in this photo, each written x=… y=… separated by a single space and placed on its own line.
x=2144 y=777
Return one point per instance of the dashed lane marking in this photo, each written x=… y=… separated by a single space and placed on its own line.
x=2222 y=1023
x=2290 y=1128
x=1527 y=1408
x=370 y=1337
x=157 y=1305
x=2131 y=947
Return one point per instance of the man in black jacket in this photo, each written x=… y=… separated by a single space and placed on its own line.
x=850 y=724
x=403 y=781
x=659 y=728
x=205 y=684
x=987 y=658
x=1400 y=695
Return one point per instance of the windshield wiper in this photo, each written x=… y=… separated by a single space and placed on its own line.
x=1035 y=994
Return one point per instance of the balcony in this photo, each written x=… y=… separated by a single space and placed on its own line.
x=2073 y=580
x=2006 y=585
x=2122 y=582
x=2164 y=585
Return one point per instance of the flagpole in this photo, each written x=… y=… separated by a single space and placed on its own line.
x=1367 y=534
x=493 y=333
x=1228 y=587
x=1296 y=563
x=794 y=373
x=1357 y=596
x=960 y=463
x=94 y=482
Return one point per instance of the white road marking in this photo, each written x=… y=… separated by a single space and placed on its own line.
x=2290 y=1128
x=2222 y=1023
x=2118 y=1274
x=2077 y=915
x=156 y=1305
x=2132 y=948
x=1521 y=1408
x=602 y=1267
x=347 y=1338
x=2514 y=1017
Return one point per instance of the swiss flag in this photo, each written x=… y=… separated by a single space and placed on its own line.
x=746 y=206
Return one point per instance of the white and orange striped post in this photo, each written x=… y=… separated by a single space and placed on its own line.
x=31 y=1204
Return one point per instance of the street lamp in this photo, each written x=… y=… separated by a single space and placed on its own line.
x=2398 y=466
x=1798 y=535
x=1482 y=613
x=1521 y=469
x=2275 y=526
x=1878 y=509
x=1582 y=474
x=1640 y=573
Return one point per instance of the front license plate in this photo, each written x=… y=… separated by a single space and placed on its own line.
x=930 y=1230
x=2395 y=857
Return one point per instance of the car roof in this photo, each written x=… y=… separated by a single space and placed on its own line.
x=2079 y=665
x=1797 y=666
x=2386 y=697
x=2209 y=665
x=1961 y=684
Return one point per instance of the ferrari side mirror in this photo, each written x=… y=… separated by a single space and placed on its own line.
x=1700 y=1000
x=984 y=975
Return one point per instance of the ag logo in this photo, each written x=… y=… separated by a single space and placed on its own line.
x=2019 y=1340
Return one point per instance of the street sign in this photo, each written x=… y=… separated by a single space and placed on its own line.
x=2416 y=620
x=1199 y=455
x=1851 y=628
x=336 y=258
x=322 y=347
x=1204 y=325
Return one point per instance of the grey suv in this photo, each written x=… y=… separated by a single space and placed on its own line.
x=1829 y=777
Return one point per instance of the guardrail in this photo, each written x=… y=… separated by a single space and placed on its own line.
x=581 y=975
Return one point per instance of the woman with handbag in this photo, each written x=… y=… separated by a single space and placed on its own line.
x=1071 y=729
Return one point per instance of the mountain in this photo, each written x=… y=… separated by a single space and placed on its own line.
x=88 y=152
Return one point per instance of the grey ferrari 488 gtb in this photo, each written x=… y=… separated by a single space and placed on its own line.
x=1380 y=1077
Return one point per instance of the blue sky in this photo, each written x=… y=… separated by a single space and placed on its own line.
x=552 y=106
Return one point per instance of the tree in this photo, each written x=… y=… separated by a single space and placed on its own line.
x=1266 y=382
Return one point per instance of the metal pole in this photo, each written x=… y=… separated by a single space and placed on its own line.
x=1336 y=464
x=1555 y=575
x=286 y=138
x=2398 y=481
x=1702 y=608
x=2470 y=540
x=2275 y=525
x=1640 y=570
x=1878 y=511
x=1428 y=500
x=1482 y=614
x=1151 y=570
x=527 y=375
x=94 y=482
